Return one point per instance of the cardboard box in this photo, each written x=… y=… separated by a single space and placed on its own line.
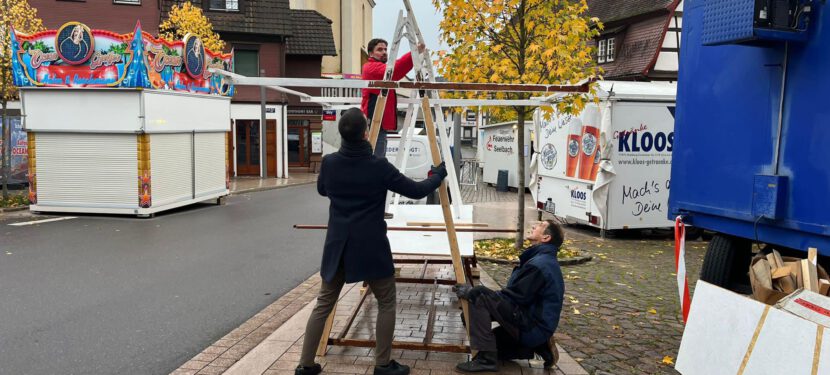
x=726 y=332
x=808 y=305
x=771 y=296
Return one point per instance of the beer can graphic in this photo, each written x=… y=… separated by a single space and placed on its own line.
x=590 y=143
x=574 y=143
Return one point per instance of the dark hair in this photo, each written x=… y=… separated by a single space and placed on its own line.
x=374 y=42
x=352 y=125
x=555 y=232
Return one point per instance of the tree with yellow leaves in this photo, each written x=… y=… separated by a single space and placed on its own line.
x=519 y=41
x=187 y=19
x=20 y=16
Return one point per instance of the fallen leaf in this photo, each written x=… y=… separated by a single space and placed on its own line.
x=576 y=312
x=652 y=311
x=668 y=360
x=616 y=327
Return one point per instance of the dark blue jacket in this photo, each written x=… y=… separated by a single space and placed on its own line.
x=356 y=183
x=536 y=289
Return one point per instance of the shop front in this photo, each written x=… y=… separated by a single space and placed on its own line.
x=304 y=123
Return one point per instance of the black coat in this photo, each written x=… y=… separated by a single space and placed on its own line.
x=356 y=183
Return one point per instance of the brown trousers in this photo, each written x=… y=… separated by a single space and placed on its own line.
x=384 y=291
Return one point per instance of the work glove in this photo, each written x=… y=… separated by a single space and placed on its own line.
x=463 y=291
x=440 y=170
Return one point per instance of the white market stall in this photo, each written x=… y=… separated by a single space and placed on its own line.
x=121 y=123
x=610 y=166
x=125 y=151
x=500 y=151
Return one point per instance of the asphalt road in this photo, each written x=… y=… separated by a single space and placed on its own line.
x=120 y=295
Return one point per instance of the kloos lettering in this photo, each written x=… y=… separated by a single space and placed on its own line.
x=645 y=142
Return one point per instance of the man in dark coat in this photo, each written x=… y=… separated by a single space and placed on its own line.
x=357 y=249
x=527 y=309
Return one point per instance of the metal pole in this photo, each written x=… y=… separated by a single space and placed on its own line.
x=456 y=142
x=263 y=144
x=777 y=157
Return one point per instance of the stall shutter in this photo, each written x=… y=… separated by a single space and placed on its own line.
x=98 y=170
x=171 y=168
x=210 y=163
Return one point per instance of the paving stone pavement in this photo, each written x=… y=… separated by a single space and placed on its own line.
x=277 y=352
x=621 y=313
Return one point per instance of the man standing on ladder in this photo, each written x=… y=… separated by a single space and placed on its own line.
x=375 y=70
x=356 y=248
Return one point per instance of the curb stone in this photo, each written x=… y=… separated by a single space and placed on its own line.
x=13 y=209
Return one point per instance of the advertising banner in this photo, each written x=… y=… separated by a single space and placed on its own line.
x=19 y=151
x=76 y=56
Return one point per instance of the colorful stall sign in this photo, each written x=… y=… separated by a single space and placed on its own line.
x=75 y=56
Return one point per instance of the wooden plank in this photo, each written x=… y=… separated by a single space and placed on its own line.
x=823 y=287
x=445 y=206
x=422 y=229
x=405 y=345
x=431 y=316
x=353 y=315
x=425 y=224
x=377 y=116
x=810 y=275
x=324 y=340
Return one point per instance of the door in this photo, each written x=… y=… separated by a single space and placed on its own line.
x=271 y=146
x=299 y=150
x=247 y=147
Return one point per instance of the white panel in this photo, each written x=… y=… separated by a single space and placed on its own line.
x=174 y=112
x=171 y=168
x=679 y=6
x=87 y=170
x=674 y=24
x=210 y=163
x=427 y=243
x=667 y=61
x=670 y=41
x=82 y=110
x=721 y=326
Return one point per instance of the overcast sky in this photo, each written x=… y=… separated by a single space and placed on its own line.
x=386 y=15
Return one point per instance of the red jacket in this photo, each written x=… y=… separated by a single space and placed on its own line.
x=374 y=70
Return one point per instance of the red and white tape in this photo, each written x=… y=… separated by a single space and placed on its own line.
x=680 y=266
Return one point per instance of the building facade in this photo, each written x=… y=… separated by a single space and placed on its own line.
x=351 y=28
x=640 y=40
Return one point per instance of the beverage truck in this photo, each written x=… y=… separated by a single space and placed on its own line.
x=609 y=166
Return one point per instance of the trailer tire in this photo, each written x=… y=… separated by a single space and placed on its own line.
x=721 y=260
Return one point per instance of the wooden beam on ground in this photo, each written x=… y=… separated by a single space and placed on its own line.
x=404 y=345
x=422 y=229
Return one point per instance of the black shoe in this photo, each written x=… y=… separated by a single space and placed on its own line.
x=548 y=352
x=482 y=362
x=393 y=368
x=310 y=370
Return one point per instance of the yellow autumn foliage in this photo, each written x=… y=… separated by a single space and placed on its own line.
x=185 y=18
x=17 y=14
x=503 y=248
x=519 y=41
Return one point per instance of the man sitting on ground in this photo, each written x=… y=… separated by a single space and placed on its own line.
x=527 y=309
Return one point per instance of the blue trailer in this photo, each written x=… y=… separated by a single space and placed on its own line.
x=753 y=129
